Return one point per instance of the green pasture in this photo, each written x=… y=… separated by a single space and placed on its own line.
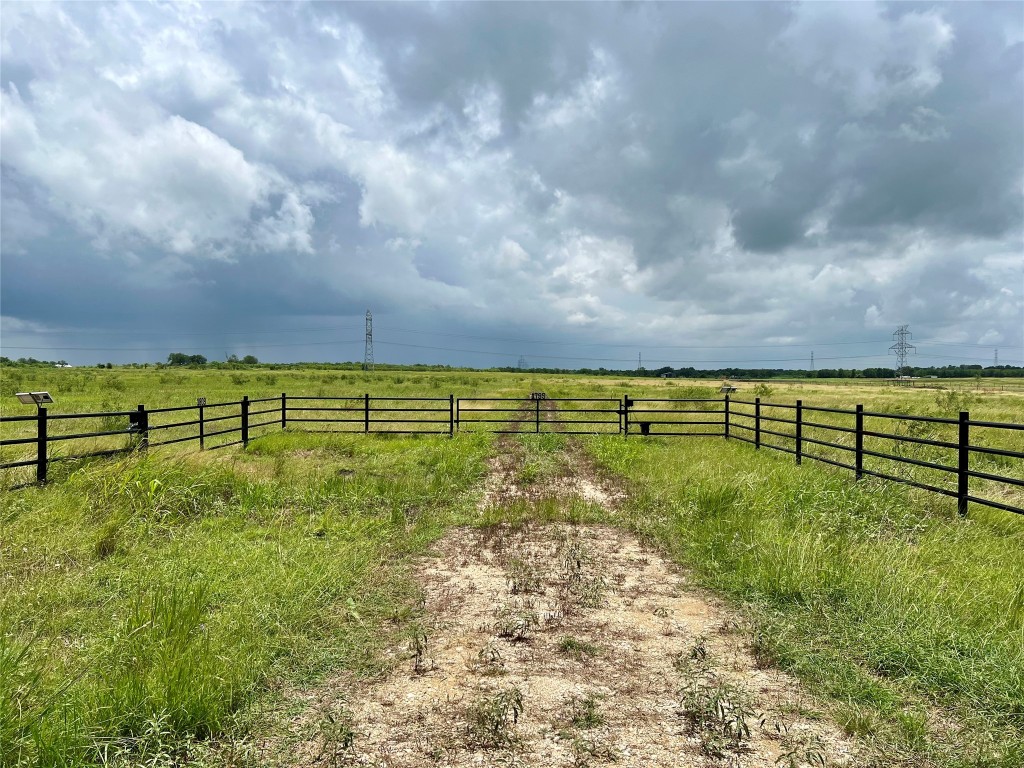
x=154 y=607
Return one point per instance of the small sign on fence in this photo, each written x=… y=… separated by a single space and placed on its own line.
x=135 y=422
x=200 y=401
x=538 y=396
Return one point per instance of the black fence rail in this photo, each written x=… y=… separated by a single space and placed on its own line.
x=665 y=416
x=365 y=413
x=936 y=454
x=568 y=416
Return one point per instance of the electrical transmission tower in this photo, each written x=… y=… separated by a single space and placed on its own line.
x=812 y=360
x=902 y=348
x=995 y=361
x=368 y=353
x=522 y=362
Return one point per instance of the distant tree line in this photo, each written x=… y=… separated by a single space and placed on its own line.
x=180 y=358
x=943 y=372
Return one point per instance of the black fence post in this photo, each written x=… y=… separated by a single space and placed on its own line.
x=537 y=410
x=41 y=446
x=366 y=412
x=245 y=420
x=626 y=402
x=859 y=443
x=143 y=427
x=458 y=413
x=799 y=431
x=284 y=410
x=963 y=464
x=726 y=417
x=757 y=422
x=202 y=426
x=451 y=414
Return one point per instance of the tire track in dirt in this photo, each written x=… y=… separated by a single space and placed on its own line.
x=562 y=645
x=577 y=475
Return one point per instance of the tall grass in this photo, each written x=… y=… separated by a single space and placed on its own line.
x=146 y=601
x=876 y=595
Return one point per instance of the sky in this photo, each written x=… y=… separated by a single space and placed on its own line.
x=575 y=184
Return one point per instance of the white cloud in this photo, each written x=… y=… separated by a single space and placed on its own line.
x=510 y=255
x=585 y=102
x=583 y=262
x=174 y=183
x=483 y=112
x=791 y=173
x=288 y=229
x=872 y=58
x=398 y=190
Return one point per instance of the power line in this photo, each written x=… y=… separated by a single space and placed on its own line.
x=732 y=361
x=626 y=360
x=330 y=329
x=166 y=346
x=81 y=331
x=326 y=329
x=946 y=343
x=138 y=334
x=627 y=344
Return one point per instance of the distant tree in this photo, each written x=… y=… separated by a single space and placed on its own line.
x=250 y=360
x=109 y=366
x=180 y=358
x=232 y=358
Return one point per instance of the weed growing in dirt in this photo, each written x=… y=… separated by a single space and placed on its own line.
x=491 y=720
x=338 y=738
x=581 y=712
x=421 y=663
x=586 y=751
x=576 y=587
x=524 y=578
x=577 y=649
x=799 y=750
x=515 y=622
x=489 y=660
x=718 y=713
x=693 y=662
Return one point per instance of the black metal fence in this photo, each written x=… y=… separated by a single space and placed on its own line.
x=941 y=455
x=570 y=416
x=933 y=453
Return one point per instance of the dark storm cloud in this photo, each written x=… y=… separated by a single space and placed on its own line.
x=649 y=172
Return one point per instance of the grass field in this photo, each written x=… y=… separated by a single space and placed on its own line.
x=84 y=389
x=152 y=602
x=877 y=595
